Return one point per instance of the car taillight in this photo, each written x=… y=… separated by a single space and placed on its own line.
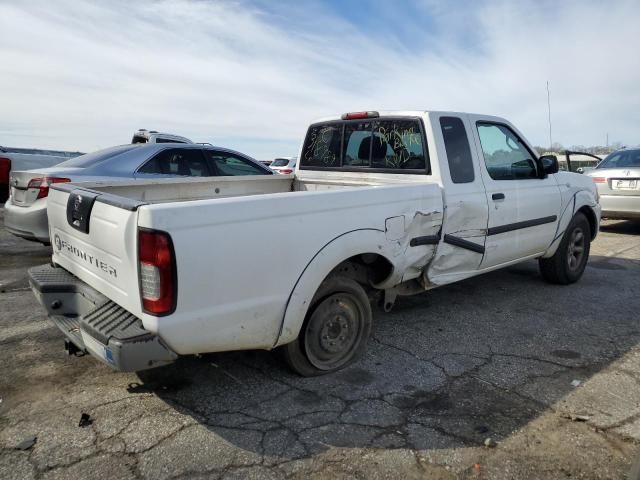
x=42 y=184
x=599 y=179
x=157 y=272
x=5 y=168
x=285 y=171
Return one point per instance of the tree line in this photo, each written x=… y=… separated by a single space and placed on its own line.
x=594 y=150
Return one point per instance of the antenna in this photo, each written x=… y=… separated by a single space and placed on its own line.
x=549 y=111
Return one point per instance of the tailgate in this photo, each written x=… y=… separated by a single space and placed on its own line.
x=94 y=237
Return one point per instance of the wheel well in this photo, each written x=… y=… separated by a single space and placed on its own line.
x=366 y=268
x=591 y=217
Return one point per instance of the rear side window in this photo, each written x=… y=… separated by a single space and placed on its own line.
x=280 y=162
x=381 y=144
x=167 y=140
x=91 y=159
x=228 y=164
x=456 y=143
x=175 y=161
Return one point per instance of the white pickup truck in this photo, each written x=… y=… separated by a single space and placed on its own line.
x=380 y=205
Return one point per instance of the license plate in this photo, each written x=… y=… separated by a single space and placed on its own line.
x=97 y=348
x=625 y=184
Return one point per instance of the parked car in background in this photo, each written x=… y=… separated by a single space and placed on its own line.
x=618 y=180
x=26 y=209
x=153 y=136
x=30 y=158
x=284 y=165
x=26 y=159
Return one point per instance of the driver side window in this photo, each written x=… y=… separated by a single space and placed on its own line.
x=505 y=155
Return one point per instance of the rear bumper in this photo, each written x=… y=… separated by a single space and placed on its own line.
x=620 y=206
x=29 y=222
x=96 y=325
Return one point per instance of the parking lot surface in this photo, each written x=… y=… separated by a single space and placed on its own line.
x=499 y=376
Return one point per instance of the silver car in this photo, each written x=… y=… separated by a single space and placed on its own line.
x=618 y=181
x=26 y=209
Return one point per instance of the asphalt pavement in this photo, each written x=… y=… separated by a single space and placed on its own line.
x=499 y=376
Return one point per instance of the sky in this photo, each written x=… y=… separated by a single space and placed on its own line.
x=251 y=75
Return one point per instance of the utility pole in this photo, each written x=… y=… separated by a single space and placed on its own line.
x=549 y=111
x=607 y=141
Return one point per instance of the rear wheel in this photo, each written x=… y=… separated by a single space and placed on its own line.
x=335 y=331
x=568 y=263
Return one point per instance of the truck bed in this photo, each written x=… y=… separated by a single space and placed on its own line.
x=190 y=189
x=241 y=244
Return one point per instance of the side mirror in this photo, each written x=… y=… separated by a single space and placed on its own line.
x=579 y=170
x=549 y=165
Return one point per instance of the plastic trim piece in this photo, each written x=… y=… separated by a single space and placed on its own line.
x=426 y=240
x=518 y=225
x=462 y=243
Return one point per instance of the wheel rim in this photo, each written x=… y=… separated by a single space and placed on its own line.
x=333 y=331
x=575 y=249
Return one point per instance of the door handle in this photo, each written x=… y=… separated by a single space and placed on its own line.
x=497 y=196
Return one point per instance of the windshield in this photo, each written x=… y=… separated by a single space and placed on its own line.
x=622 y=159
x=280 y=162
x=91 y=159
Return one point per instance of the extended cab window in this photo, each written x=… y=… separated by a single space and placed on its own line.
x=382 y=144
x=228 y=164
x=506 y=156
x=167 y=140
x=177 y=161
x=456 y=144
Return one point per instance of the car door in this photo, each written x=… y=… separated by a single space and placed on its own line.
x=465 y=214
x=176 y=162
x=523 y=207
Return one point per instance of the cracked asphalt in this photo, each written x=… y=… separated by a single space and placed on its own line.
x=550 y=374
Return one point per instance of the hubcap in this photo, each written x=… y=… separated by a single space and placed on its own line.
x=575 y=248
x=333 y=331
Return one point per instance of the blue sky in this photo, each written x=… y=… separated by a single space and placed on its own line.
x=251 y=75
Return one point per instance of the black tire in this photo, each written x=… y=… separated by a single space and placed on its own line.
x=568 y=263
x=335 y=330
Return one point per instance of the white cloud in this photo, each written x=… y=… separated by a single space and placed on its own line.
x=82 y=75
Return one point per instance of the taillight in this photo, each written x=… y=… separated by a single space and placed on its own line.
x=157 y=272
x=599 y=179
x=42 y=184
x=5 y=168
x=285 y=171
x=359 y=115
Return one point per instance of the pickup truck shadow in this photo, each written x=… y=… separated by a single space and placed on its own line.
x=628 y=227
x=446 y=369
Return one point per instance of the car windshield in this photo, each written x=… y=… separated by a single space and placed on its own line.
x=93 y=158
x=280 y=162
x=621 y=159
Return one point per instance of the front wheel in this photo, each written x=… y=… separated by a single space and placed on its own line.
x=335 y=331
x=568 y=263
